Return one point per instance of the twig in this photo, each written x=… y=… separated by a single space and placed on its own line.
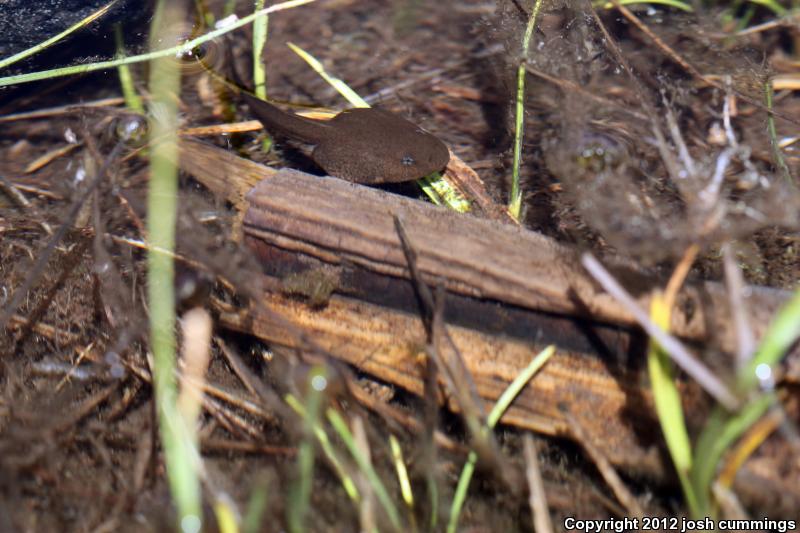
x=729 y=504
x=537 y=498
x=404 y=419
x=74 y=367
x=45 y=330
x=604 y=466
x=245 y=376
x=679 y=275
x=41 y=262
x=49 y=157
x=574 y=87
x=777 y=155
x=61 y=110
x=228 y=445
x=68 y=265
x=366 y=508
x=781 y=22
x=688 y=362
x=86 y=407
x=620 y=57
x=672 y=54
x=144 y=454
x=746 y=343
x=709 y=195
x=666 y=155
x=457 y=376
x=455 y=368
x=250 y=381
x=13 y=192
x=216 y=391
x=677 y=138
x=455 y=372
x=726 y=114
x=223 y=414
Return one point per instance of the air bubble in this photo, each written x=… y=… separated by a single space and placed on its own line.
x=764 y=374
x=319 y=383
x=227 y=21
x=191 y=524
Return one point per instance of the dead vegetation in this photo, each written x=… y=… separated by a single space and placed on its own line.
x=647 y=144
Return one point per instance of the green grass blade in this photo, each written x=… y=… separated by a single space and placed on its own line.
x=300 y=494
x=719 y=433
x=132 y=100
x=460 y=495
x=433 y=496
x=327 y=448
x=437 y=189
x=365 y=466
x=515 y=199
x=402 y=473
x=172 y=51
x=447 y=195
x=52 y=40
x=668 y=405
x=677 y=4
x=723 y=428
x=402 y=477
x=260 y=28
x=349 y=94
x=428 y=184
x=226 y=516
x=516 y=386
x=772 y=5
x=178 y=439
x=496 y=413
x=256 y=507
x=783 y=331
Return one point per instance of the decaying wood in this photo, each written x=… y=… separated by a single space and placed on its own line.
x=609 y=396
x=510 y=292
x=224 y=173
x=386 y=343
x=231 y=176
x=344 y=224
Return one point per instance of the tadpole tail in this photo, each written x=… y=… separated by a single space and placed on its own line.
x=273 y=119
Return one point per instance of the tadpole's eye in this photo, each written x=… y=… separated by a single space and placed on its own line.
x=407 y=161
x=200 y=51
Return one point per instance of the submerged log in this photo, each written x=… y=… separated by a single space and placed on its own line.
x=509 y=292
x=352 y=227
